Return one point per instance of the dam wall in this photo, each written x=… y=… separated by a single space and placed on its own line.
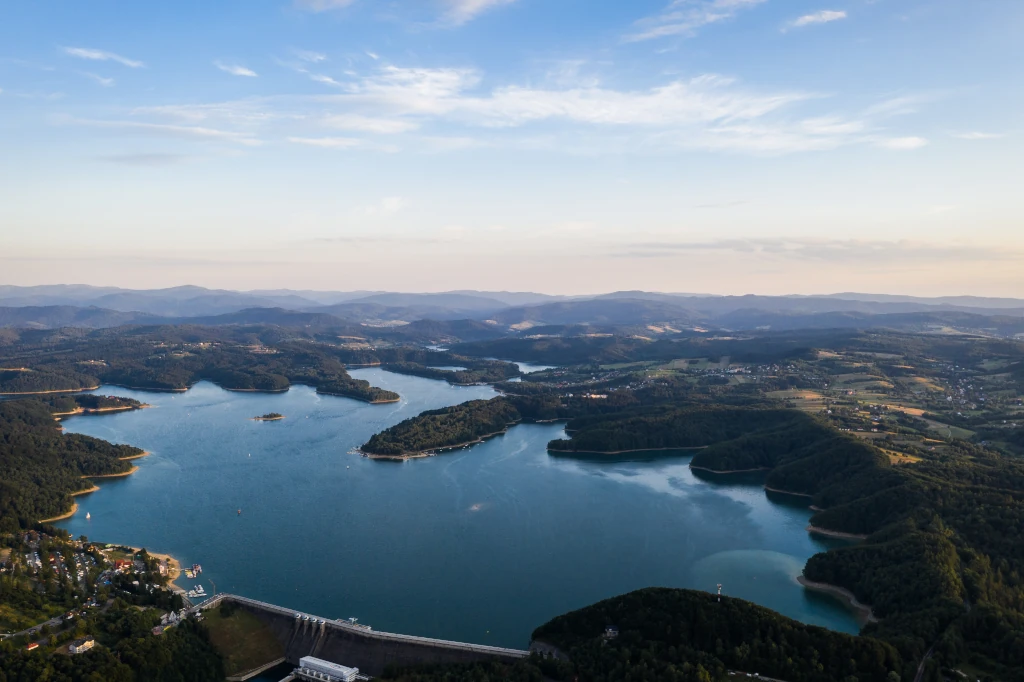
x=354 y=646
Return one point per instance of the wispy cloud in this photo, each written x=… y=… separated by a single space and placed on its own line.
x=322 y=5
x=832 y=251
x=165 y=130
x=902 y=143
x=460 y=12
x=102 y=56
x=309 y=56
x=685 y=17
x=369 y=124
x=976 y=135
x=235 y=69
x=322 y=78
x=105 y=82
x=708 y=112
x=823 y=17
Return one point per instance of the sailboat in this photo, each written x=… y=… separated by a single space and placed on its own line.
x=88 y=516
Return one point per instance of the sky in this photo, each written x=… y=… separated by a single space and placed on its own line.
x=563 y=146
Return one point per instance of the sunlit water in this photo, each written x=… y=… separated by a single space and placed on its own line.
x=481 y=545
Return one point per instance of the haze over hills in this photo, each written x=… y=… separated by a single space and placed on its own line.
x=482 y=314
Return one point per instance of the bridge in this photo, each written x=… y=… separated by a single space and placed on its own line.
x=356 y=646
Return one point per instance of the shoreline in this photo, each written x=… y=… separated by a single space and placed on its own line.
x=363 y=400
x=788 y=492
x=155 y=390
x=621 y=452
x=173 y=567
x=835 y=533
x=59 y=390
x=256 y=390
x=731 y=471
x=74 y=509
x=145 y=453
x=99 y=410
x=120 y=475
x=401 y=457
x=844 y=595
x=266 y=419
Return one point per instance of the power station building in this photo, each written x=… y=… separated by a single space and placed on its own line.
x=317 y=669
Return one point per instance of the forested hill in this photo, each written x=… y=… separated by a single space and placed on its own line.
x=446 y=427
x=40 y=467
x=175 y=358
x=668 y=634
x=685 y=427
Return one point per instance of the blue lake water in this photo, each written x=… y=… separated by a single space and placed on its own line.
x=481 y=545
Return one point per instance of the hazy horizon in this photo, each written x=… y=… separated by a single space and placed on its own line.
x=728 y=146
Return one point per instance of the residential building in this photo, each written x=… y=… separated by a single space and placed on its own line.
x=80 y=646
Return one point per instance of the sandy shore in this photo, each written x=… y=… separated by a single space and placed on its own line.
x=145 y=453
x=835 y=533
x=268 y=419
x=844 y=595
x=99 y=410
x=173 y=566
x=121 y=475
x=74 y=508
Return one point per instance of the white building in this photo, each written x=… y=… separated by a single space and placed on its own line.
x=311 y=668
x=80 y=646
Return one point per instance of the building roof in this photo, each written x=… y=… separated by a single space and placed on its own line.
x=325 y=666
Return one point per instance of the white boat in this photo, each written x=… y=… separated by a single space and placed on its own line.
x=88 y=516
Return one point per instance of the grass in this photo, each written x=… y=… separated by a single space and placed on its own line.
x=899 y=457
x=928 y=383
x=242 y=639
x=802 y=399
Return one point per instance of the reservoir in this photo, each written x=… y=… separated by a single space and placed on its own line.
x=481 y=544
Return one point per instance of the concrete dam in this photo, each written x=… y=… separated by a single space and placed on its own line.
x=357 y=646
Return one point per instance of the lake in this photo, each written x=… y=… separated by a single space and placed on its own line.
x=481 y=545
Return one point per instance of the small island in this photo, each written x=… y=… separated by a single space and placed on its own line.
x=269 y=417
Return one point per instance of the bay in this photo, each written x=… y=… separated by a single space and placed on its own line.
x=481 y=544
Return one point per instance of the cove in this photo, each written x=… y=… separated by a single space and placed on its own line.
x=479 y=545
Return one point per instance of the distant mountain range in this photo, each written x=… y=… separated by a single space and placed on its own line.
x=481 y=314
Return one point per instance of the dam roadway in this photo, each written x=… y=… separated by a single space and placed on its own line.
x=356 y=646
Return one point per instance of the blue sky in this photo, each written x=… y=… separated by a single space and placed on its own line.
x=569 y=146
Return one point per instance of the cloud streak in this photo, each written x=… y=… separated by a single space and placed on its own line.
x=102 y=56
x=823 y=17
x=322 y=5
x=105 y=82
x=683 y=18
x=826 y=250
x=707 y=112
x=235 y=69
x=460 y=12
